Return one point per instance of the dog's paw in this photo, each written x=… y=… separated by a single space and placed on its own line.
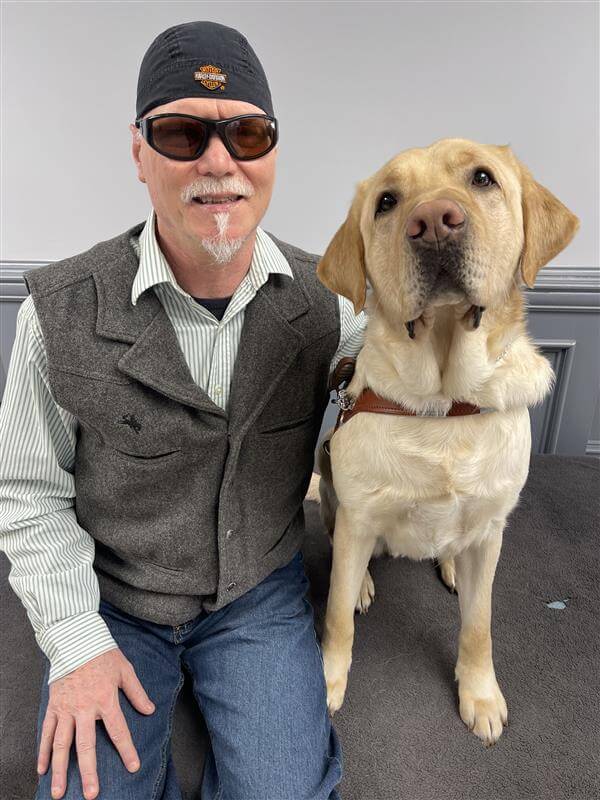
x=366 y=594
x=485 y=716
x=335 y=694
x=336 y=678
x=448 y=573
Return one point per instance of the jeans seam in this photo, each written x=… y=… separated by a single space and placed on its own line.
x=220 y=790
x=167 y=742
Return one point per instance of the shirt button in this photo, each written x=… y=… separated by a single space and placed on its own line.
x=228 y=534
x=232 y=585
x=217 y=390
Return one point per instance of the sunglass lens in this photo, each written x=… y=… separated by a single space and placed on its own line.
x=250 y=137
x=178 y=137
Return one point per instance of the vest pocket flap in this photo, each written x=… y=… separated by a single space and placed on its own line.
x=289 y=424
x=151 y=458
x=134 y=424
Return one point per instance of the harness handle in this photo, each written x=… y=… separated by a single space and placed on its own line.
x=342 y=374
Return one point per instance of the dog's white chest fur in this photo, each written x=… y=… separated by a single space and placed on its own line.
x=428 y=487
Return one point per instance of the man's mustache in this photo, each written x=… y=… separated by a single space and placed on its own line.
x=208 y=186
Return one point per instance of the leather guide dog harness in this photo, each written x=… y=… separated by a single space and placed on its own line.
x=368 y=400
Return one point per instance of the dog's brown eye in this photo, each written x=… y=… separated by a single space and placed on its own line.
x=386 y=201
x=482 y=178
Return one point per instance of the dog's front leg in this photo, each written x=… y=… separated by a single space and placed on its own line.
x=481 y=703
x=352 y=550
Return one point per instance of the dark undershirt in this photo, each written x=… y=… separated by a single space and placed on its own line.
x=216 y=305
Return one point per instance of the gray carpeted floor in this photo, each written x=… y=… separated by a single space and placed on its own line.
x=400 y=730
x=399 y=725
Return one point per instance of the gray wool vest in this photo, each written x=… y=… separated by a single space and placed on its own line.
x=189 y=506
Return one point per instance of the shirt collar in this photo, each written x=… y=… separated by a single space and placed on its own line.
x=154 y=269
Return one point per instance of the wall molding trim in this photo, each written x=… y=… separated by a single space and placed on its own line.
x=572 y=289
x=561 y=354
x=557 y=289
x=12 y=285
x=578 y=287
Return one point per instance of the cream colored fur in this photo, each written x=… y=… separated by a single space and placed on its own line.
x=435 y=487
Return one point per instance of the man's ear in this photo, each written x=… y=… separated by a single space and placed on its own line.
x=342 y=268
x=136 y=143
x=548 y=225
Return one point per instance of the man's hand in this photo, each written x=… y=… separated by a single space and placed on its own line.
x=76 y=701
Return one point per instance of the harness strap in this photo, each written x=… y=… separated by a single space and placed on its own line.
x=370 y=401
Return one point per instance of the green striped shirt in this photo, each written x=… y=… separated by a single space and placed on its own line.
x=51 y=555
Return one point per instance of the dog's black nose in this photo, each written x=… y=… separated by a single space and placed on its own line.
x=437 y=222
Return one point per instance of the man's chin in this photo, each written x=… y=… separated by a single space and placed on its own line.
x=223 y=249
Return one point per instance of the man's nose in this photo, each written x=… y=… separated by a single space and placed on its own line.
x=436 y=221
x=216 y=159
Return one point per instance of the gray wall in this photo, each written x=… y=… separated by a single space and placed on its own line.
x=372 y=79
x=369 y=78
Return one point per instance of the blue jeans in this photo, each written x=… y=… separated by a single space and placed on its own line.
x=258 y=679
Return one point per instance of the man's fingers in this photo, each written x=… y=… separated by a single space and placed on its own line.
x=135 y=692
x=85 y=741
x=116 y=726
x=60 y=755
x=46 y=740
x=75 y=702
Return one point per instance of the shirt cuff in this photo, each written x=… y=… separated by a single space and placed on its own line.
x=74 y=641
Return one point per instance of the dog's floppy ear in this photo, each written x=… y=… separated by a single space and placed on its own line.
x=342 y=268
x=548 y=225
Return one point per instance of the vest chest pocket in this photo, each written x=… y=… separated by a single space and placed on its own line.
x=147 y=460
x=140 y=425
x=302 y=388
x=288 y=425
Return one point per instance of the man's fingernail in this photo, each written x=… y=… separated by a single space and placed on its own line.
x=134 y=765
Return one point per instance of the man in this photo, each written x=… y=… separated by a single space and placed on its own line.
x=163 y=401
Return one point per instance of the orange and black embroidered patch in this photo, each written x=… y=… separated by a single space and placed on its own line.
x=212 y=77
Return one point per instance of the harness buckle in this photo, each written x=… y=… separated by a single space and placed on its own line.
x=344 y=402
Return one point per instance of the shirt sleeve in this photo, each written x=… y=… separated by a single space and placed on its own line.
x=51 y=556
x=352 y=331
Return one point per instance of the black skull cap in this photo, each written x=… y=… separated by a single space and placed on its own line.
x=201 y=59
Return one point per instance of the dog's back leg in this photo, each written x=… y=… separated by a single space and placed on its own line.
x=327 y=496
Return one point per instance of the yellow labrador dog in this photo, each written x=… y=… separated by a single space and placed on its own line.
x=436 y=244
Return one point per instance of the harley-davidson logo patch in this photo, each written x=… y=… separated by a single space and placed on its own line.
x=212 y=77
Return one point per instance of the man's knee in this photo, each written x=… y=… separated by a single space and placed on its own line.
x=116 y=782
x=151 y=735
x=307 y=769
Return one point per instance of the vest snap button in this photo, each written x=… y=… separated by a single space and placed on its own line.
x=228 y=534
x=231 y=586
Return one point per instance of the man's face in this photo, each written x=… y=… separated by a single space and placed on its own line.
x=172 y=183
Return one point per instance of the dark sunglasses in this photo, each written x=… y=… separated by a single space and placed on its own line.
x=184 y=137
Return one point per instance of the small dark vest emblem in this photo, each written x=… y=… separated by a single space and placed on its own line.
x=129 y=419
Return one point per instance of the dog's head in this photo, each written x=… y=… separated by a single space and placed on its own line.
x=451 y=222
